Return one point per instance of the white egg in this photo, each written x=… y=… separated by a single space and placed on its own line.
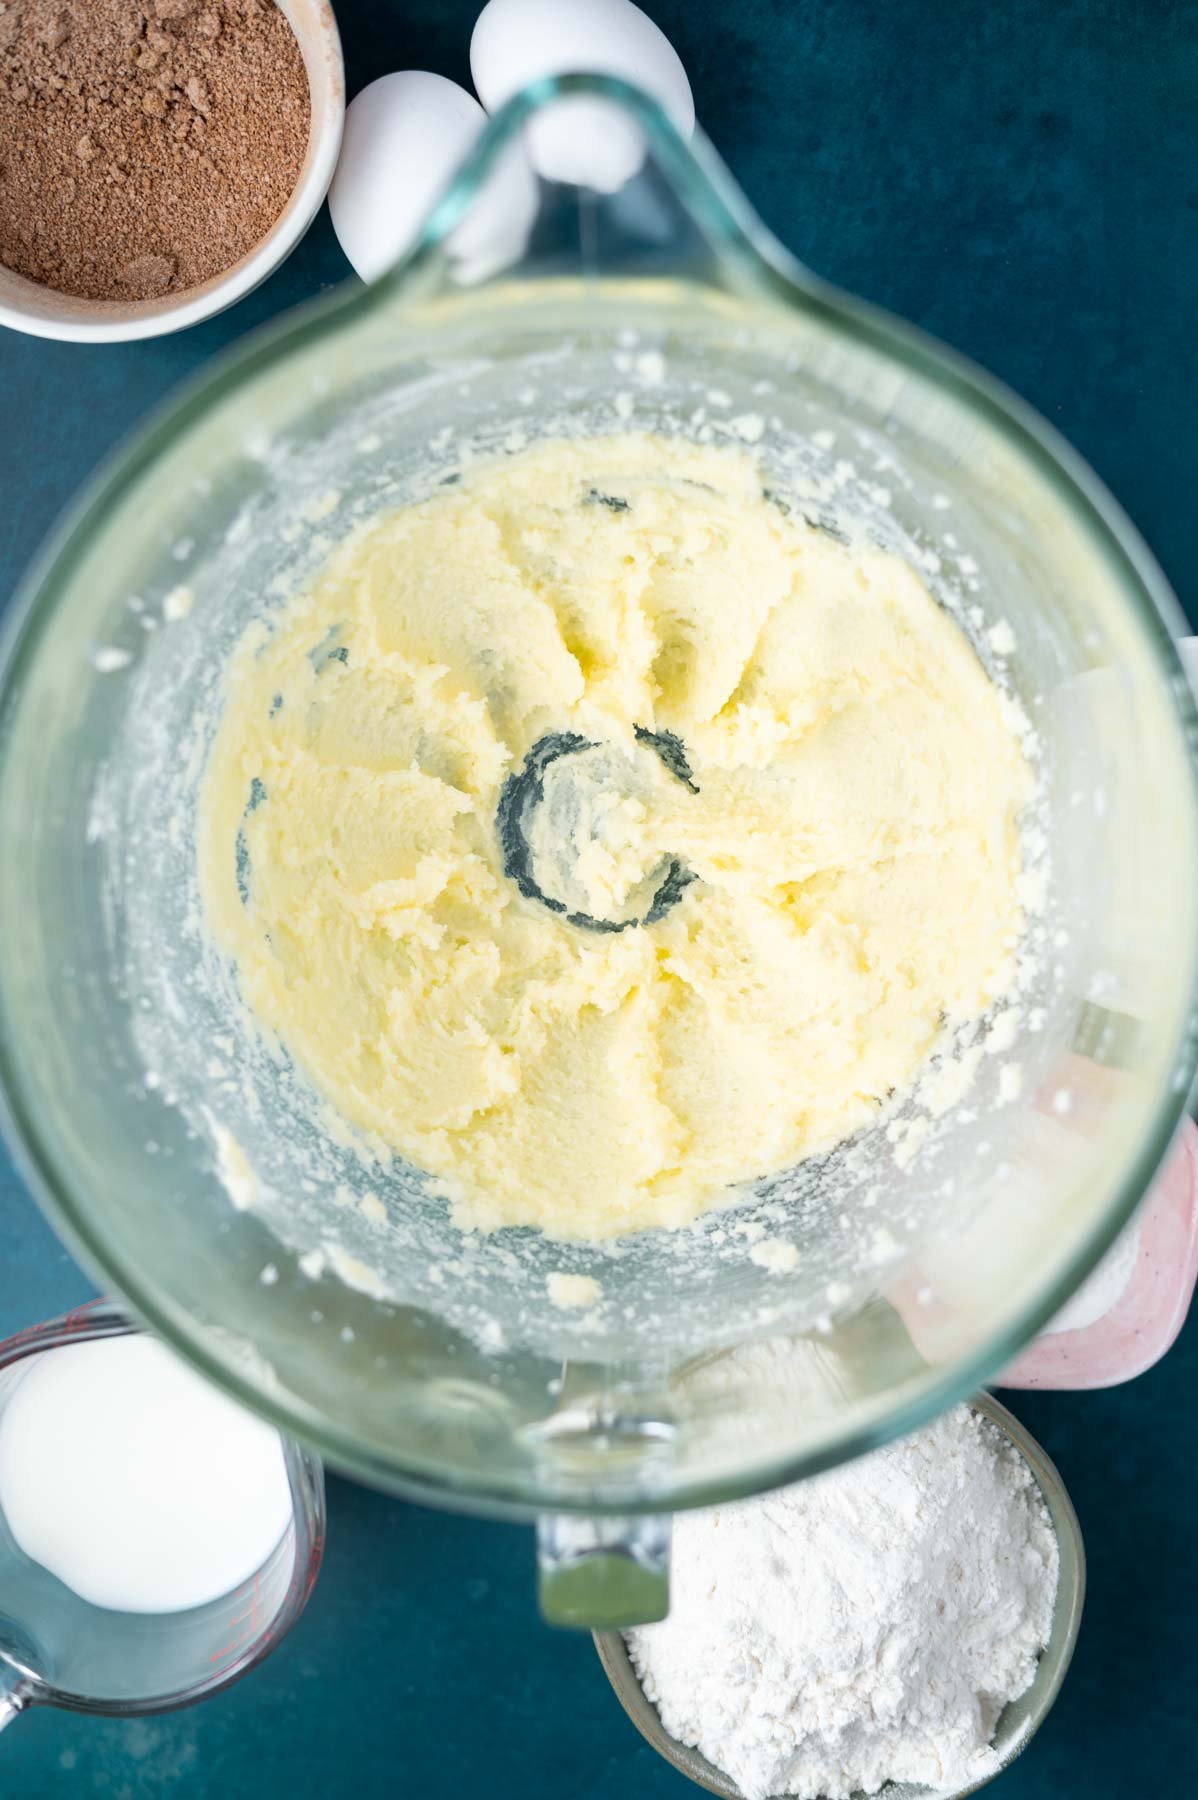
x=405 y=136
x=586 y=142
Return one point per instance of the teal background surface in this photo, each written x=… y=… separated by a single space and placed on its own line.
x=1022 y=180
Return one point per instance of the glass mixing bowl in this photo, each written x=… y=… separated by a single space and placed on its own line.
x=184 y=1160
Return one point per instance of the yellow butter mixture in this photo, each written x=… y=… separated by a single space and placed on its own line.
x=600 y=834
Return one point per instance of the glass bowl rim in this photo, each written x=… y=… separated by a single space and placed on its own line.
x=769 y=275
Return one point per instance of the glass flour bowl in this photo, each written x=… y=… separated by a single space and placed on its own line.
x=186 y=1161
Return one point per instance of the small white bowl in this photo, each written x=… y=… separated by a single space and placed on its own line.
x=29 y=306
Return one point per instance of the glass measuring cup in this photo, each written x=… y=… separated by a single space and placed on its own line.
x=661 y=307
x=57 y=1649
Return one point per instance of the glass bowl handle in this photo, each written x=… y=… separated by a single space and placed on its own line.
x=603 y=1574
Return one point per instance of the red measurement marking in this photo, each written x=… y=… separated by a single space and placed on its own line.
x=238 y=1638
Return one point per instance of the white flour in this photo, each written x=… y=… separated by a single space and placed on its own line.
x=866 y=1626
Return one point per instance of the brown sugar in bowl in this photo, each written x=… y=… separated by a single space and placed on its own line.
x=30 y=306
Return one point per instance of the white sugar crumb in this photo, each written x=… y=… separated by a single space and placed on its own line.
x=1001 y=639
x=1010 y=1083
x=883 y=1245
x=802 y=1658
x=748 y=427
x=1013 y=712
x=177 y=604
x=311 y=1264
x=907 y=1136
x=1003 y=1032
x=234 y=1170
x=269 y=1275
x=322 y=506
x=572 y=1292
x=1031 y=890
x=774 y=1255
x=372 y=1208
x=1062 y=1101
x=107 y=659
x=355 y=1274
x=950 y=1081
x=650 y=368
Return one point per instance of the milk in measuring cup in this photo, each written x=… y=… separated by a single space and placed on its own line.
x=133 y=1482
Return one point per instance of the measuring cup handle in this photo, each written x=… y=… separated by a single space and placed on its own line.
x=15 y=1693
x=603 y=1574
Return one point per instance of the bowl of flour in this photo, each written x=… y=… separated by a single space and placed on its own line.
x=900 y=1625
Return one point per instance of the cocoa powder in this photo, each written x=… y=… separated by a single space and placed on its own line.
x=145 y=145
